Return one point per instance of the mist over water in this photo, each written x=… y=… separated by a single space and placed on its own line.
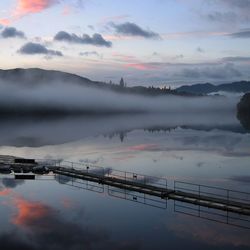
x=57 y=97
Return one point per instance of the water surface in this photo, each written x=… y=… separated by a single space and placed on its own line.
x=48 y=213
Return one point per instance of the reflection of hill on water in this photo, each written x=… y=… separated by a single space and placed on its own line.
x=40 y=132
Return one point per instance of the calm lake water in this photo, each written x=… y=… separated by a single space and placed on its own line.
x=56 y=213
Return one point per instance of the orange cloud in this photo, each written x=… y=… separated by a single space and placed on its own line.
x=25 y=7
x=28 y=212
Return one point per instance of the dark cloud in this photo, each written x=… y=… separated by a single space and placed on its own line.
x=96 y=39
x=90 y=53
x=36 y=48
x=224 y=72
x=178 y=56
x=217 y=16
x=236 y=59
x=199 y=49
x=241 y=34
x=234 y=11
x=11 y=32
x=242 y=4
x=91 y=27
x=132 y=29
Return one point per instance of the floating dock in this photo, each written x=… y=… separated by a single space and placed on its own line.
x=193 y=194
x=221 y=202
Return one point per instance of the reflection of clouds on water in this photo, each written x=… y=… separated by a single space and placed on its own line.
x=11 y=183
x=212 y=234
x=223 y=143
x=40 y=227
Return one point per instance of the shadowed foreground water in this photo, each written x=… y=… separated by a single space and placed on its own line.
x=52 y=214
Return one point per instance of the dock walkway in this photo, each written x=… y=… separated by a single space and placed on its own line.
x=220 y=202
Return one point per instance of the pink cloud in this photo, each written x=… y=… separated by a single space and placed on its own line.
x=5 y=21
x=25 y=7
x=140 y=66
x=66 y=10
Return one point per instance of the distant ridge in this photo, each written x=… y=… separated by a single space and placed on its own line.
x=35 y=76
x=207 y=88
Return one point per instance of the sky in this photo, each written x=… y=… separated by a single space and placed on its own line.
x=149 y=42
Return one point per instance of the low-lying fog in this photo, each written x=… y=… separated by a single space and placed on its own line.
x=59 y=97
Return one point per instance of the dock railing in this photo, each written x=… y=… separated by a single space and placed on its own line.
x=213 y=192
x=221 y=216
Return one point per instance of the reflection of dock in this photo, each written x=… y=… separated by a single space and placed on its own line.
x=240 y=205
x=223 y=205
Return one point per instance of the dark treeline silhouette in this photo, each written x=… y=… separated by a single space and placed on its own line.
x=243 y=111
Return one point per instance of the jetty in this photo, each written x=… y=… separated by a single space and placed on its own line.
x=189 y=193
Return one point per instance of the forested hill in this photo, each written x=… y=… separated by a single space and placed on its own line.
x=34 y=76
x=207 y=88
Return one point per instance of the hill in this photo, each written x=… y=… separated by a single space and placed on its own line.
x=34 y=76
x=207 y=88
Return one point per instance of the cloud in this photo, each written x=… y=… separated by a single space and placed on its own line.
x=96 y=39
x=140 y=66
x=5 y=21
x=132 y=29
x=236 y=59
x=224 y=72
x=200 y=50
x=36 y=48
x=25 y=7
x=90 y=53
x=217 y=16
x=241 y=34
x=242 y=4
x=11 y=32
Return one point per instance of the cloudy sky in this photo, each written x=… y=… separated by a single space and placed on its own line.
x=150 y=42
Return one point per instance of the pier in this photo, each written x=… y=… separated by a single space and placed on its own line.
x=230 y=201
x=226 y=203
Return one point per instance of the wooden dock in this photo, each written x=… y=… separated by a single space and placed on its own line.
x=220 y=203
x=225 y=201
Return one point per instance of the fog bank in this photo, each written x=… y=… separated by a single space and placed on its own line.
x=57 y=97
